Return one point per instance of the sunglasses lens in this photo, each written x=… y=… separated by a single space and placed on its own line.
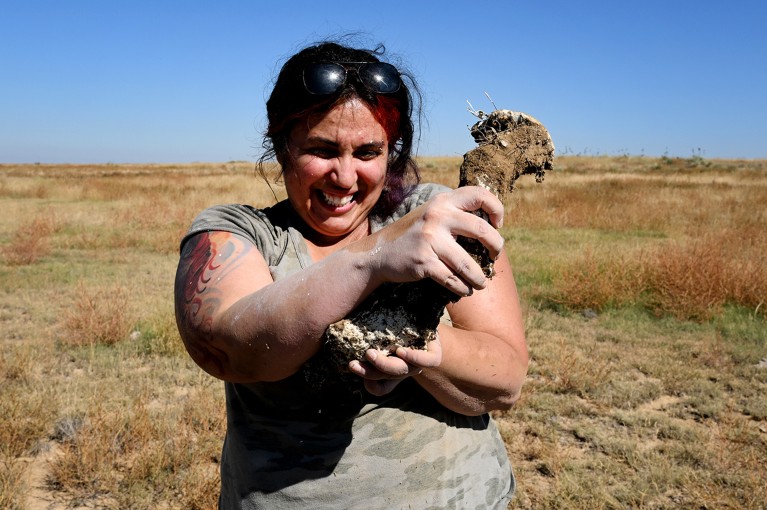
x=324 y=78
x=380 y=77
x=327 y=78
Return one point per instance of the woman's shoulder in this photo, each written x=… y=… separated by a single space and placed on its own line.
x=235 y=218
x=255 y=224
x=423 y=192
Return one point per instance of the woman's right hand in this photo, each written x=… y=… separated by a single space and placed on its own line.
x=423 y=244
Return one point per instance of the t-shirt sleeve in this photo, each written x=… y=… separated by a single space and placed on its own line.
x=423 y=194
x=242 y=220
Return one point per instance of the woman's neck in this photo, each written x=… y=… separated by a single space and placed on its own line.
x=320 y=246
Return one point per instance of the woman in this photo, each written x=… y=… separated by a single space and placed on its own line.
x=256 y=289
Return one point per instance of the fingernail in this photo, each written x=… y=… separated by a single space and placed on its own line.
x=371 y=354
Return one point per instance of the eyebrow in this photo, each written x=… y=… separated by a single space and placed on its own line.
x=319 y=139
x=378 y=144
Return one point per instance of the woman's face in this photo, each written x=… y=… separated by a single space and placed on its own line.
x=335 y=170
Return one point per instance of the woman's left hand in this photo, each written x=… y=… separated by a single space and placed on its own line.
x=382 y=373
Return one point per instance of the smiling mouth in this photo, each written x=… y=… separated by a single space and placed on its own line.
x=336 y=201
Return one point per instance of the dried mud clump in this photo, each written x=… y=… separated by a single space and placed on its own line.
x=509 y=144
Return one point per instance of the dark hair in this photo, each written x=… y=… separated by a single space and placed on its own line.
x=290 y=101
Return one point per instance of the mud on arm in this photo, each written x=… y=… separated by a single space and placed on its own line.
x=241 y=326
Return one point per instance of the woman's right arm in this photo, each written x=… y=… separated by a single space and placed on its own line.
x=240 y=325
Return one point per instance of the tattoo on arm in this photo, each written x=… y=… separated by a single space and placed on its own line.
x=198 y=299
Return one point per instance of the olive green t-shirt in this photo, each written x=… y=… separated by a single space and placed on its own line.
x=292 y=446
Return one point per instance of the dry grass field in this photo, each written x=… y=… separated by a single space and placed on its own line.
x=644 y=284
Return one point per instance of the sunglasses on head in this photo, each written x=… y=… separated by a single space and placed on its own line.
x=323 y=78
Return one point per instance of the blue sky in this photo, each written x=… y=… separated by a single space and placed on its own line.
x=170 y=81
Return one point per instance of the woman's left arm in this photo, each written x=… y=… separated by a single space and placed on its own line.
x=484 y=353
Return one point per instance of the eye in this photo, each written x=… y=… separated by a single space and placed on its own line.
x=321 y=152
x=367 y=154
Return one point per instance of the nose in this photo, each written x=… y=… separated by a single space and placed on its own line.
x=344 y=173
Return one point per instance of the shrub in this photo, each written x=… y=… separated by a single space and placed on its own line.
x=686 y=281
x=99 y=316
x=689 y=280
x=30 y=242
x=11 y=483
x=694 y=280
x=595 y=282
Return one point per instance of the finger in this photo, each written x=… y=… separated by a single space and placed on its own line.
x=430 y=358
x=460 y=273
x=365 y=371
x=475 y=227
x=474 y=198
x=389 y=366
x=454 y=283
x=375 y=382
x=396 y=368
x=381 y=388
x=457 y=270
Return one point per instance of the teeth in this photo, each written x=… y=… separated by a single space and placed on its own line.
x=337 y=201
